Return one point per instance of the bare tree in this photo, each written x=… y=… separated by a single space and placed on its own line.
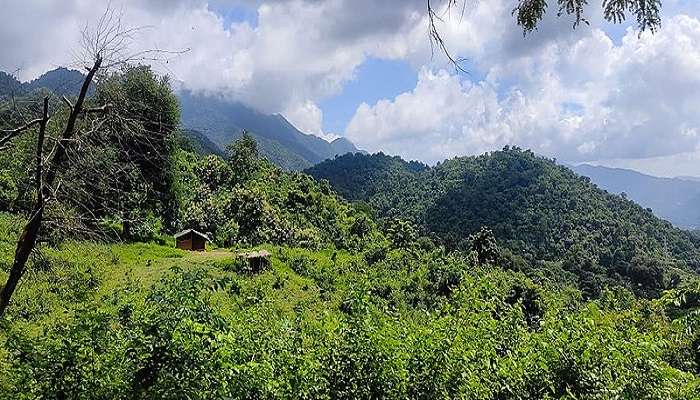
x=45 y=179
x=105 y=46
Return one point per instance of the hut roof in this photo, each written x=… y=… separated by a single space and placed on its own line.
x=256 y=254
x=187 y=231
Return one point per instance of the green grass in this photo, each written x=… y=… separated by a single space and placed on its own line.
x=316 y=320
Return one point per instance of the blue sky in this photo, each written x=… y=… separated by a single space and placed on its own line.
x=375 y=80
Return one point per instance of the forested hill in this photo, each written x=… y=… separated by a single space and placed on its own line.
x=279 y=141
x=545 y=214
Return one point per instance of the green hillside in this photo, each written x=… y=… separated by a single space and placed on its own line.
x=196 y=142
x=543 y=213
x=350 y=304
x=130 y=321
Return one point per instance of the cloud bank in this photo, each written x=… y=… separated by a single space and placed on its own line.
x=593 y=93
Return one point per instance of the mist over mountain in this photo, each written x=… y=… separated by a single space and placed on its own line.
x=673 y=199
x=217 y=120
x=223 y=121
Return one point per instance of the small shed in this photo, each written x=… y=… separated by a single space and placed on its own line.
x=257 y=260
x=190 y=239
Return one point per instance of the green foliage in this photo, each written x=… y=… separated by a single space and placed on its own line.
x=483 y=243
x=246 y=200
x=320 y=324
x=541 y=214
x=8 y=190
x=243 y=157
x=403 y=234
x=140 y=139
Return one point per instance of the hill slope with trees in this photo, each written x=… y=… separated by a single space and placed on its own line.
x=545 y=215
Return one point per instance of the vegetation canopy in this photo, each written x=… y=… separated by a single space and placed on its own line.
x=499 y=276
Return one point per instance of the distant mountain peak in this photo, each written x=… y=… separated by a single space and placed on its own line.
x=673 y=199
x=62 y=81
x=222 y=121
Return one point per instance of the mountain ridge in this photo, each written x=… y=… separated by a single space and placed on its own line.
x=61 y=81
x=673 y=199
x=219 y=120
x=224 y=121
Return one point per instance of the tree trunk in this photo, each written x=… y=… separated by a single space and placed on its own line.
x=44 y=181
x=27 y=241
x=25 y=245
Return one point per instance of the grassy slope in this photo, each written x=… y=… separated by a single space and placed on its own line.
x=397 y=344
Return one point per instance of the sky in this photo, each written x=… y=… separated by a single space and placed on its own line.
x=365 y=70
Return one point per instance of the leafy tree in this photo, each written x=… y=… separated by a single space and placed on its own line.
x=483 y=243
x=243 y=157
x=402 y=234
x=140 y=136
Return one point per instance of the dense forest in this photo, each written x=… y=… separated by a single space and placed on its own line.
x=547 y=218
x=502 y=276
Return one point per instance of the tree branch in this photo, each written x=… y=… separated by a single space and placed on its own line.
x=12 y=133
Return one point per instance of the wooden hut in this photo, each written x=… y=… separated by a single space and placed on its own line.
x=192 y=240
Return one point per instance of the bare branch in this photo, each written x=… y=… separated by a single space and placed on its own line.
x=12 y=133
x=111 y=41
x=97 y=110
x=68 y=103
x=435 y=36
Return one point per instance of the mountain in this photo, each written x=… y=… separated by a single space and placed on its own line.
x=61 y=81
x=673 y=199
x=223 y=121
x=551 y=221
x=218 y=120
x=196 y=142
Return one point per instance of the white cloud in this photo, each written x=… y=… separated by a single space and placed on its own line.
x=576 y=97
x=575 y=94
x=307 y=117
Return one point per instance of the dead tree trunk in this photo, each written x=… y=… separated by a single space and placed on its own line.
x=27 y=241
x=44 y=182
